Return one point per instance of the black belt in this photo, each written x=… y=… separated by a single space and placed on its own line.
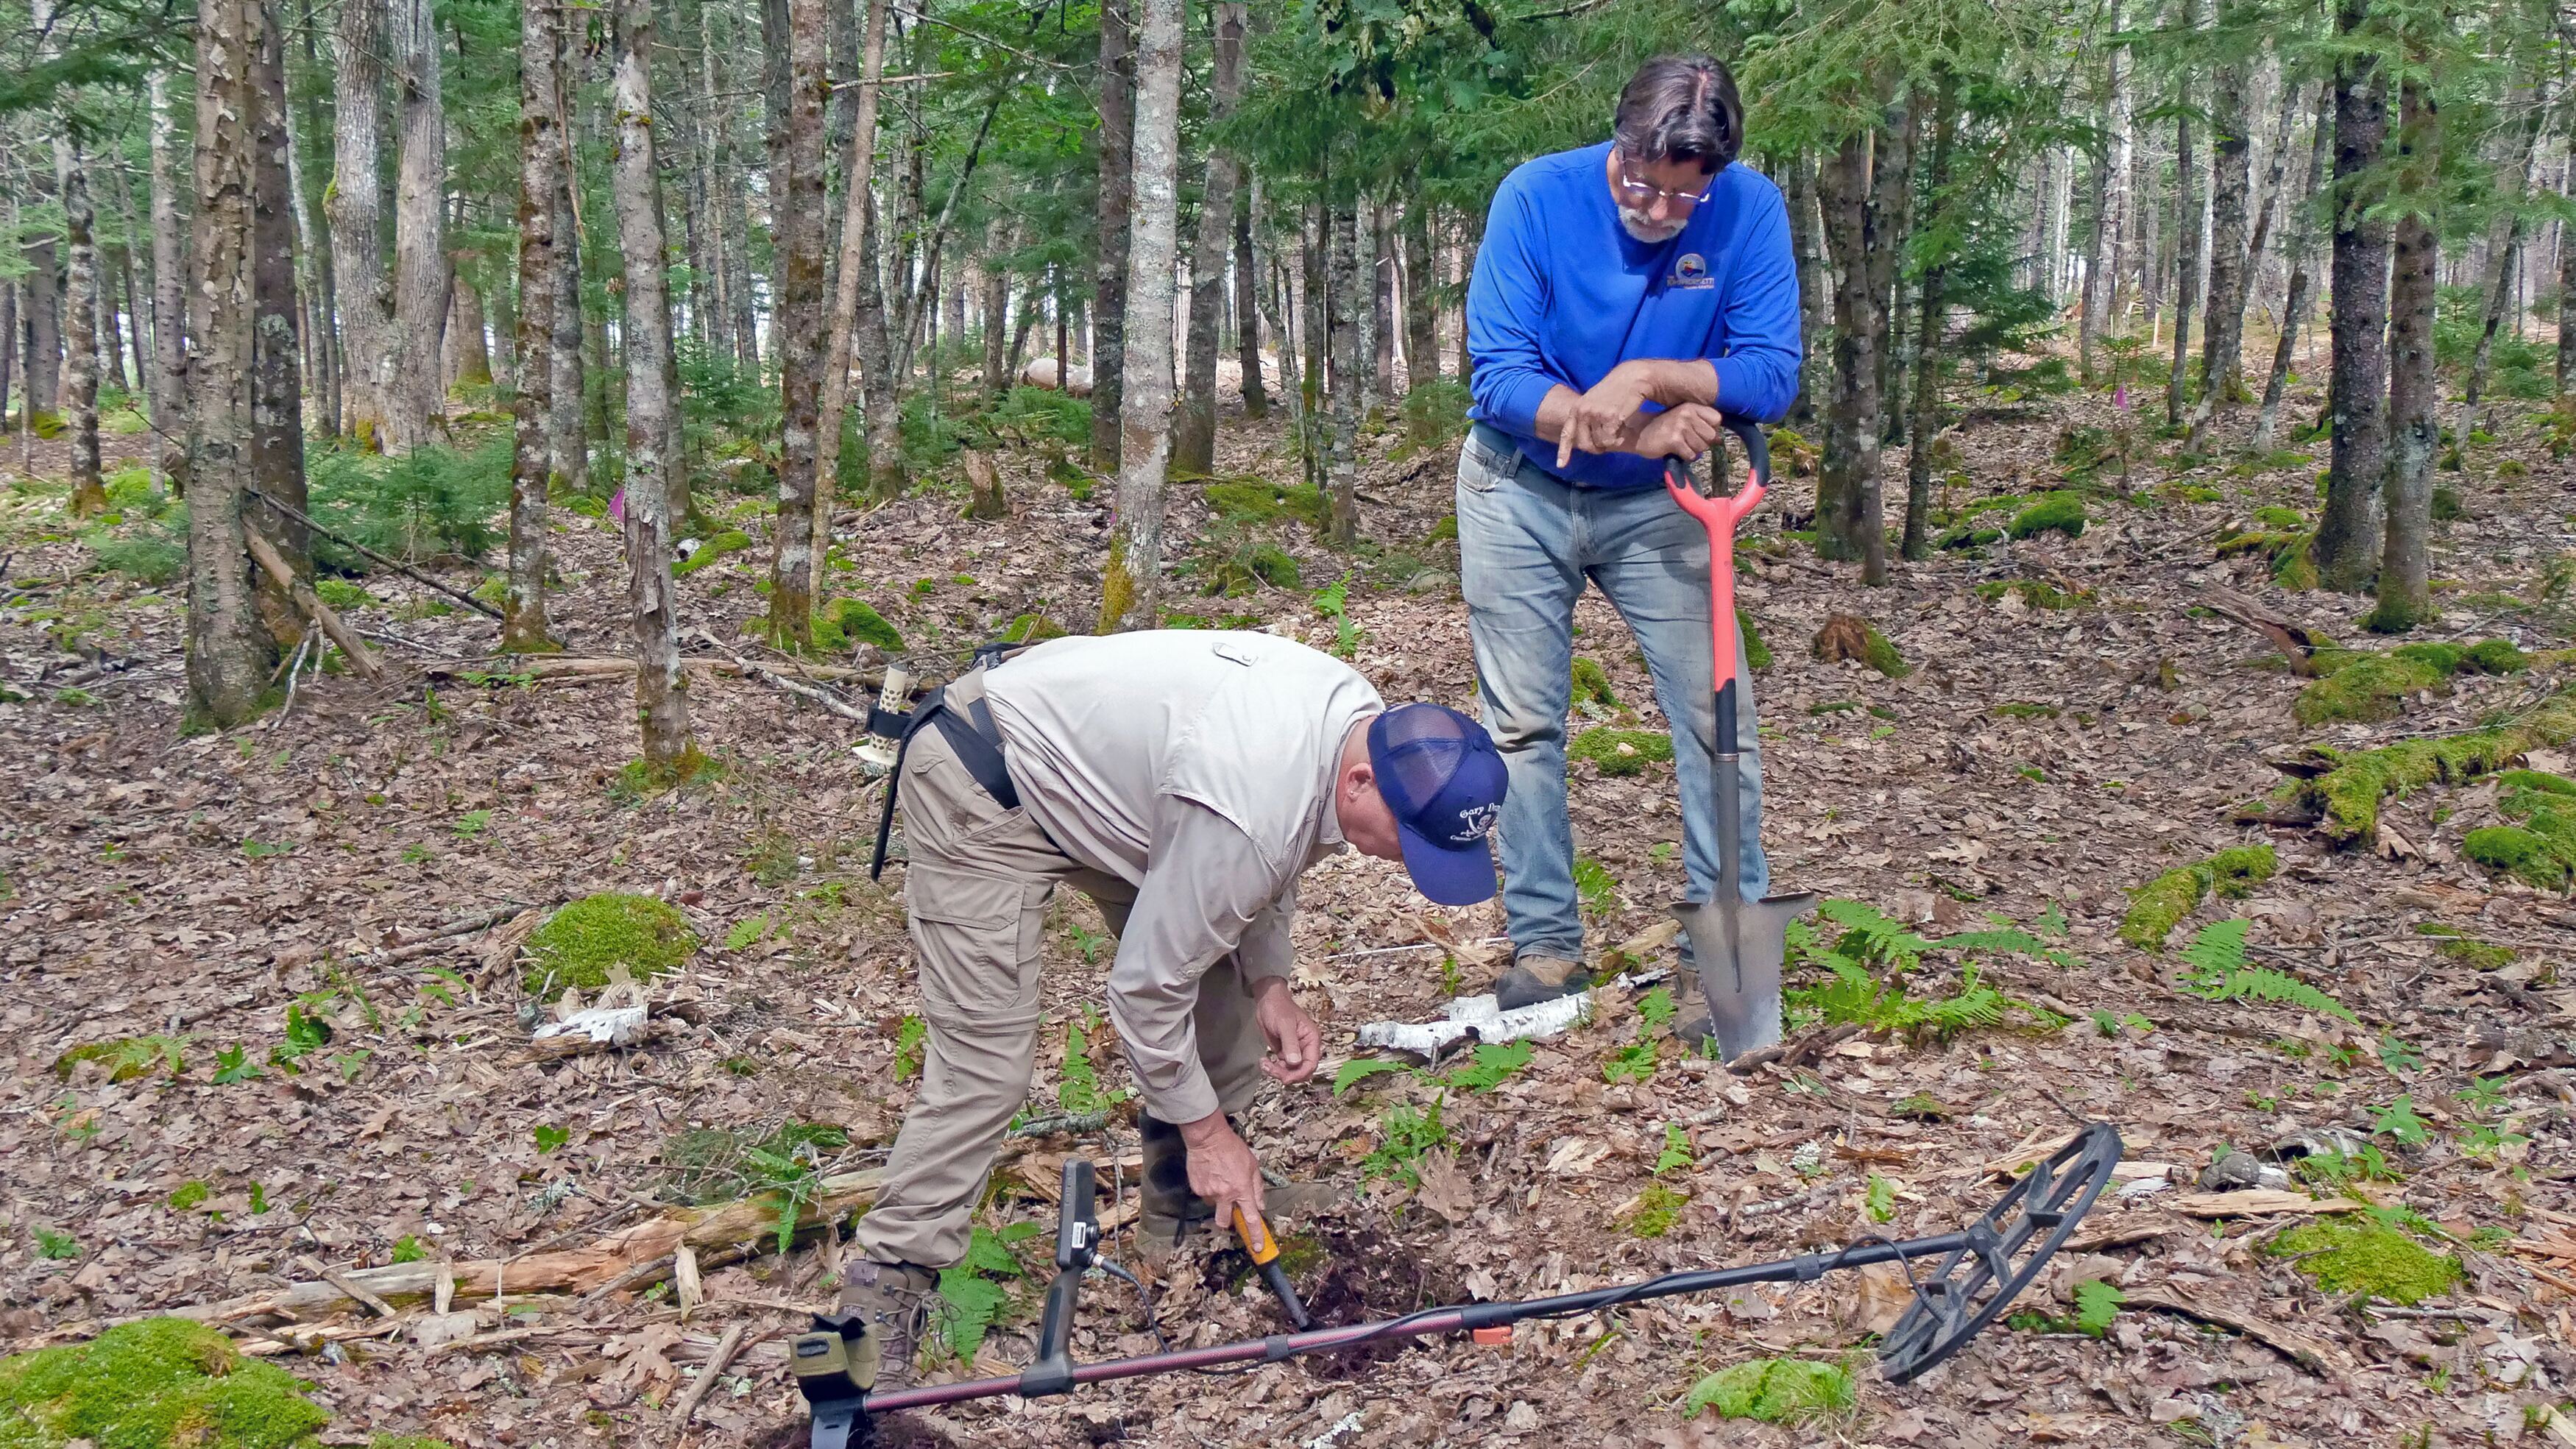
x=977 y=743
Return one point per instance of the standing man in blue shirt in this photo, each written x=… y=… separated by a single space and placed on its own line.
x=1624 y=293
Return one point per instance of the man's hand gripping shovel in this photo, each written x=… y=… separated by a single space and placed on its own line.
x=1739 y=944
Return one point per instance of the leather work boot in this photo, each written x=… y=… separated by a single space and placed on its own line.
x=1533 y=979
x=894 y=1301
x=1168 y=1207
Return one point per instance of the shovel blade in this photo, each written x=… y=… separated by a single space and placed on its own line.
x=1741 y=978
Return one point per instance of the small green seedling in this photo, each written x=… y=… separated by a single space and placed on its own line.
x=550 y=1138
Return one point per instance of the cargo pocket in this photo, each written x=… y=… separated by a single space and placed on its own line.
x=978 y=938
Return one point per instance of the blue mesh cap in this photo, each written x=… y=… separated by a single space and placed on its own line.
x=1439 y=772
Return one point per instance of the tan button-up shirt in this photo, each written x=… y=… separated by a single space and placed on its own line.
x=1197 y=766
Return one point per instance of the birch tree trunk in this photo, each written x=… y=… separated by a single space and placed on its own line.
x=416 y=405
x=1344 y=303
x=567 y=432
x=1132 y=585
x=1815 y=289
x=2415 y=433
x=799 y=323
x=661 y=695
x=2231 y=177
x=313 y=238
x=1368 y=305
x=355 y=201
x=2347 y=543
x=228 y=654
x=1247 y=299
x=996 y=306
x=2108 y=252
x=2187 y=242
x=2503 y=268
x=80 y=323
x=42 y=304
x=1115 y=81
x=2303 y=249
x=1194 y=425
x=169 y=283
x=541 y=173
x=858 y=300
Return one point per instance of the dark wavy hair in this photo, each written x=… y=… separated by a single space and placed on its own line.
x=1680 y=108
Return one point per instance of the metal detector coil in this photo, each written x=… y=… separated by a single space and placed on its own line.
x=1974 y=1276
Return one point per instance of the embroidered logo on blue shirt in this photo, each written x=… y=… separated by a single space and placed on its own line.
x=1690 y=270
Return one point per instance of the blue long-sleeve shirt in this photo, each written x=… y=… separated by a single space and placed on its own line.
x=1561 y=294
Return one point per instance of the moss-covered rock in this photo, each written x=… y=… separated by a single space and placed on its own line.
x=1620 y=752
x=2059 y=512
x=2496 y=656
x=2345 y=793
x=1592 y=684
x=732 y=540
x=1249 y=566
x=162 y=1383
x=2161 y=904
x=2372 y=687
x=844 y=624
x=579 y=943
x=1774 y=1391
x=2357 y=1256
x=2276 y=517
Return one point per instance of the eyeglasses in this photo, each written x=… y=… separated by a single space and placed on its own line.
x=1642 y=196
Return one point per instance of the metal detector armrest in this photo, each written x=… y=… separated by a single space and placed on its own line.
x=1077 y=1247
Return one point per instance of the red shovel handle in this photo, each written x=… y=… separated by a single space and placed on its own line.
x=1720 y=515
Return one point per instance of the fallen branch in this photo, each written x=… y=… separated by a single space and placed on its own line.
x=447 y=934
x=2314 y=1355
x=633 y=1255
x=823 y=697
x=2293 y=640
x=406 y=570
x=271 y=563
x=726 y=1348
x=574 y=666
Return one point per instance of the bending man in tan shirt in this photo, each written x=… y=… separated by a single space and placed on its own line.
x=1183 y=780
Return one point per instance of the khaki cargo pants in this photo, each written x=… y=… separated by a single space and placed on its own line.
x=976 y=889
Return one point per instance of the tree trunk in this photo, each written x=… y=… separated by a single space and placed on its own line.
x=277 y=404
x=2503 y=271
x=169 y=282
x=1859 y=201
x=1369 y=305
x=466 y=342
x=80 y=324
x=661 y=696
x=2303 y=250
x=858 y=302
x=1194 y=424
x=799 y=319
x=532 y=471
x=2415 y=432
x=2108 y=256
x=9 y=341
x=1115 y=80
x=1247 y=300
x=416 y=409
x=2231 y=177
x=313 y=235
x=567 y=389
x=1132 y=586
x=2186 y=227
x=1815 y=289
x=355 y=201
x=228 y=654
x=1421 y=322
x=1928 y=339
x=2347 y=543
x=43 y=306
x=1338 y=312
x=997 y=335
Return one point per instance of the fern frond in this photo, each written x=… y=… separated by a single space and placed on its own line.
x=2218 y=948
x=2263 y=984
x=2006 y=939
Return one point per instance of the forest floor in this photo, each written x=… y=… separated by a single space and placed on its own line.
x=228 y=891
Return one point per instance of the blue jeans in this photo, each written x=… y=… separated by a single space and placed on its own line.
x=1527 y=544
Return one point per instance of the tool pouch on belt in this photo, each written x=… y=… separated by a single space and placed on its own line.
x=971 y=734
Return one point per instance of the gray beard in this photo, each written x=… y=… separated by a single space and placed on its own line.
x=1646 y=229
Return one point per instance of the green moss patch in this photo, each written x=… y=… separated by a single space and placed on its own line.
x=1848 y=636
x=1032 y=629
x=2161 y=904
x=2526 y=855
x=579 y=943
x=2059 y=512
x=163 y=1383
x=2357 y=1256
x=1655 y=1212
x=2287 y=547
x=844 y=624
x=2373 y=687
x=2344 y=790
x=2034 y=593
x=1621 y=752
x=127 y=1057
x=732 y=540
x=1255 y=500
x=1592 y=684
x=1774 y=1391
x=1757 y=654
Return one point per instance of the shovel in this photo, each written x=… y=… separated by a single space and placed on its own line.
x=1739 y=944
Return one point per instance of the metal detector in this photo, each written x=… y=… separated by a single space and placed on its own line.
x=1968 y=1278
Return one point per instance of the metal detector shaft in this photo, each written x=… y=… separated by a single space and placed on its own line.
x=1430 y=1322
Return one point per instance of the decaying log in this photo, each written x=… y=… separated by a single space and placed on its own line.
x=2293 y=640
x=265 y=554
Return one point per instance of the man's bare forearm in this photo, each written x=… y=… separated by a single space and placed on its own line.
x=1672 y=382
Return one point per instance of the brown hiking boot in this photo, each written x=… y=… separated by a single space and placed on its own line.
x=1168 y=1208
x=893 y=1299
x=1533 y=979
